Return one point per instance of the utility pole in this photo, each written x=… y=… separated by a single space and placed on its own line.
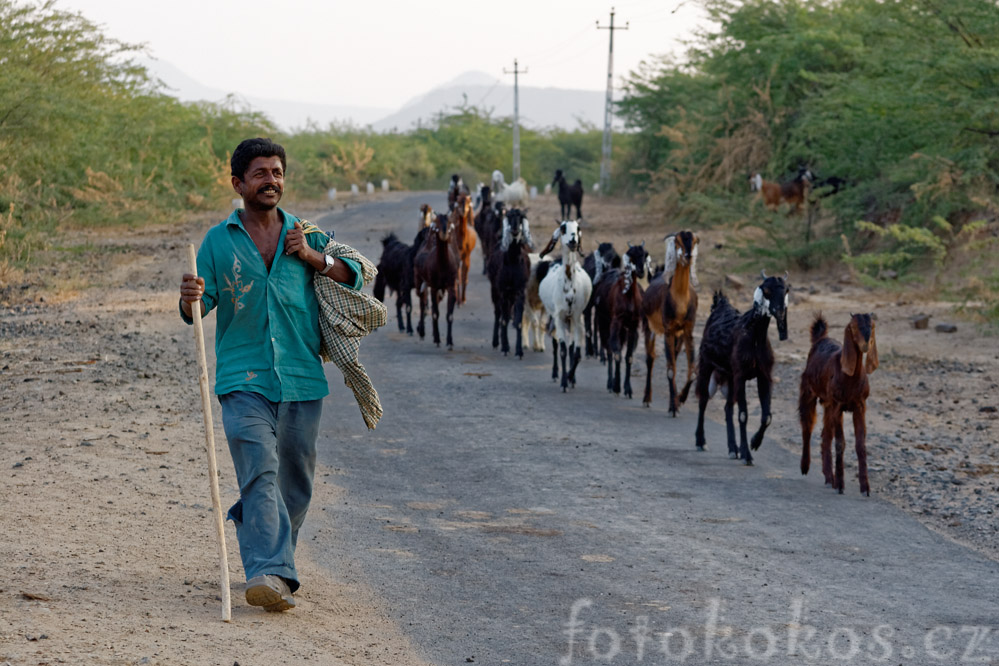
x=605 y=161
x=516 y=119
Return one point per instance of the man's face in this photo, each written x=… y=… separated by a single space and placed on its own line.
x=263 y=183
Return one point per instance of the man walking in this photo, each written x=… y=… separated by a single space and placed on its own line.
x=257 y=268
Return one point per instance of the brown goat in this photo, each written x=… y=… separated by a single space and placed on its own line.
x=837 y=376
x=462 y=217
x=792 y=193
x=435 y=272
x=670 y=308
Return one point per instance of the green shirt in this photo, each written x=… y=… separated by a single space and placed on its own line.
x=267 y=333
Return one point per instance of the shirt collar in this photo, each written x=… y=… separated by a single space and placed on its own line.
x=288 y=220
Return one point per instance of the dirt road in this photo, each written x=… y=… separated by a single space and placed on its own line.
x=487 y=505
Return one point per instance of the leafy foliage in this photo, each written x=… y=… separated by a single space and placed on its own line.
x=898 y=100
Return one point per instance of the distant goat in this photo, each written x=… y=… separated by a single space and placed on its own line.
x=435 y=272
x=426 y=216
x=509 y=270
x=565 y=292
x=395 y=271
x=499 y=184
x=734 y=349
x=794 y=193
x=568 y=195
x=670 y=309
x=515 y=194
x=455 y=187
x=836 y=376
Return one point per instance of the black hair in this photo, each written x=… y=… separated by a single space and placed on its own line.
x=250 y=149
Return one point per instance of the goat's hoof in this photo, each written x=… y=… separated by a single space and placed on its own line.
x=647 y=404
x=700 y=447
x=748 y=463
x=732 y=455
x=865 y=493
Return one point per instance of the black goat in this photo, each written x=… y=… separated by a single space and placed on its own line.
x=488 y=225
x=395 y=272
x=568 y=195
x=509 y=270
x=734 y=349
x=595 y=264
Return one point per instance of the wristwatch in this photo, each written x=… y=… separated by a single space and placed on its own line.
x=329 y=265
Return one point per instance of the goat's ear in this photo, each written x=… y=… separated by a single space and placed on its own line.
x=871 y=364
x=848 y=358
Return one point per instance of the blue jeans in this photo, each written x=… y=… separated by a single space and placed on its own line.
x=273 y=447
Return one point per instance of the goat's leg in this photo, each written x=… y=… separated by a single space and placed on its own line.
x=398 y=311
x=740 y=396
x=860 y=433
x=650 y=359
x=575 y=355
x=630 y=351
x=688 y=342
x=610 y=378
x=703 y=395
x=565 y=375
x=614 y=353
x=518 y=323
x=466 y=268
x=591 y=347
x=408 y=304
x=555 y=348
x=576 y=346
x=421 y=329
x=671 y=344
x=828 y=428
x=733 y=448
x=496 y=317
x=763 y=390
x=503 y=323
x=451 y=301
x=840 y=449
x=435 y=313
x=806 y=414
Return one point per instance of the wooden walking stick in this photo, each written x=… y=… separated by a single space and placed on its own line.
x=213 y=477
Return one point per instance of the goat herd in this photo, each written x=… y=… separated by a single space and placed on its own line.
x=597 y=304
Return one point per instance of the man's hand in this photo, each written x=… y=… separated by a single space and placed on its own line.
x=294 y=243
x=192 y=288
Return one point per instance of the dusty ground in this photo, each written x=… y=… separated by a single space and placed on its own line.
x=108 y=540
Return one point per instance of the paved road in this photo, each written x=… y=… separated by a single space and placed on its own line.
x=502 y=521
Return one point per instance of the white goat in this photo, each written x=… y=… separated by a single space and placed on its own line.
x=499 y=184
x=565 y=291
x=515 y=194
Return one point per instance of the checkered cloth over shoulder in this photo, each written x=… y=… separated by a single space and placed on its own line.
x=346 y=316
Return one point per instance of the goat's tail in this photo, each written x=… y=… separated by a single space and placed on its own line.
x=819 y=328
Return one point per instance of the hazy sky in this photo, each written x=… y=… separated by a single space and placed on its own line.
x=383 y=52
